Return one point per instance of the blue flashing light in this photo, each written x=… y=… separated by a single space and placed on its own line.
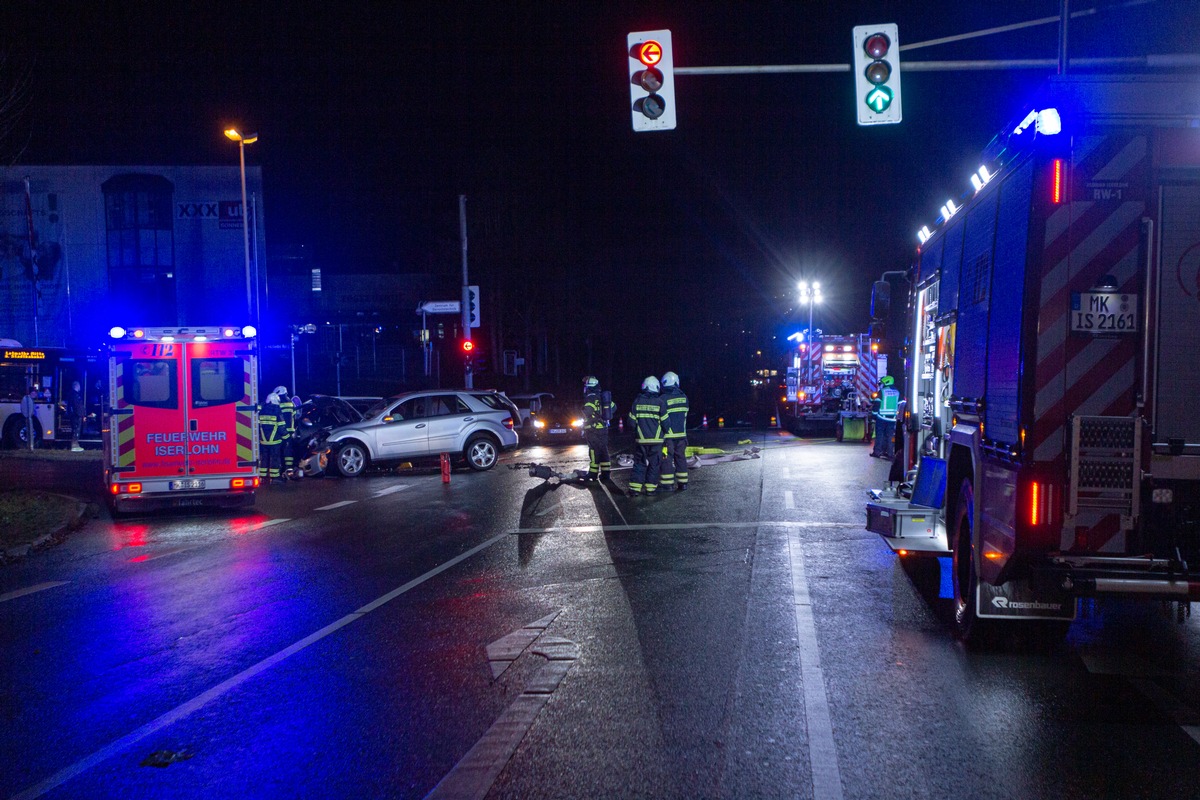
x=116 y=332
x=249 y=331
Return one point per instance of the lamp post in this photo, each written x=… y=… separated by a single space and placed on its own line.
x=243 y=140
x=811 y=295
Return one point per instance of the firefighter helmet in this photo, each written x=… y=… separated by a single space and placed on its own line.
x=887 y=380
x=281 y=391
x=650 y=385
x=591 y=382
x=670 y=379
x=272 y=398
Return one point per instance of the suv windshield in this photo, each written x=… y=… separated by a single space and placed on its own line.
x=378 y=408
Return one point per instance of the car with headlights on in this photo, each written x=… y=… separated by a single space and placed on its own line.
x=556 y=422
x=473 y=425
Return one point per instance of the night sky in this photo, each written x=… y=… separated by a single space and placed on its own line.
x=647 y=251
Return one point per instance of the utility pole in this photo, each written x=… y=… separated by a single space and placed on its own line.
x=466 y=300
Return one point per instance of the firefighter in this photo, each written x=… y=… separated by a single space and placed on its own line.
x=287 y=413
x=885 y=418
x=598 y=411
x=674 y=467
x=270 y=440
x=648 y=415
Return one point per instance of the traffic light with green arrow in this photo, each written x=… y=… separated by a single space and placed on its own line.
x=877 y=74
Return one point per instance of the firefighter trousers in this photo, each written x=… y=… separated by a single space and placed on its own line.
x=674 y=462
x=647 y=457
x=270 y=460
x=289 y=454
x=599 y=464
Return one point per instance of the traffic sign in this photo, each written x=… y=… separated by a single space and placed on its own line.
x=439 y=307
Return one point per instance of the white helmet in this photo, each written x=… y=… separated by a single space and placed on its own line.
x=650 y=385
x=281 y=391
x=273 y=398
x=591 y=382
x=669 y=380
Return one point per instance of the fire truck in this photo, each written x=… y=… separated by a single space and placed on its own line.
x=181 y=427
x=1051 y=432
x=830 y=385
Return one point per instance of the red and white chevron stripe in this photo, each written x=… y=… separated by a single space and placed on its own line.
x=1086 y=240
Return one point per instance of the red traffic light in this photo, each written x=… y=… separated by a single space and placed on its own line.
x=468 y=345
x=649 y=53
x=876 y=45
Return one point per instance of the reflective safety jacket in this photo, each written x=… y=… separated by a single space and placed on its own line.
x=889 y=401
x=593 y=410
x=649 y=417
x=270 y=426
x=677 y=411
x=287 y=415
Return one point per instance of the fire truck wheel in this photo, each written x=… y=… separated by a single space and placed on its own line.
x=970 y=629
x=481 y=453
x=351 y=459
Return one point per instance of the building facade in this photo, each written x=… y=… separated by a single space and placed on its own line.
x=83 y=248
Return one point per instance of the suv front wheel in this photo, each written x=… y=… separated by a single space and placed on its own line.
x=481 y=453
x=351 y=459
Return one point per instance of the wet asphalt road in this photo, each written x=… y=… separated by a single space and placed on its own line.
x=746 y=638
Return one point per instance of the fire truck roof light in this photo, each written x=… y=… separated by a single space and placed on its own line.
x=138 y=333
x=984 y=175
x=1047 y=122
x=976 y=182
x=116 y=332
x=201 y=338
x=924 y=234
x=168 y=338
x=227 y=332
x=249 y=331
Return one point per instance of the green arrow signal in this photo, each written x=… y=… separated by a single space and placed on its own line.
x=879 y=98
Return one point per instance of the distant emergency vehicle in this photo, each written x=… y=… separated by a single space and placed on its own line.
x=1052 y=388
x=830 y=385
x=181 y=426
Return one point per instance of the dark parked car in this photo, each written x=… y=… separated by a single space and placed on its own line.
x=556 y=422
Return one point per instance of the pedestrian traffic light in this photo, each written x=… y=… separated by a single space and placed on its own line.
x=877 y=74
x=651 y=81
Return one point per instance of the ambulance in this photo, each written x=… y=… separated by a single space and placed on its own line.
x=180 y=429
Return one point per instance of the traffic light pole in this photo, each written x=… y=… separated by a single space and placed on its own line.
x=466 y=300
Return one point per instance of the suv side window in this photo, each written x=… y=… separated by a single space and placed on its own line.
x=444 y=405
x=413 y=408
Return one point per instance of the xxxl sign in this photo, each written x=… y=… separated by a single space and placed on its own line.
x=228 y=213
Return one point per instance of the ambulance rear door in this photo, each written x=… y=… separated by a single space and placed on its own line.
x=218 y=380
x=148 y=421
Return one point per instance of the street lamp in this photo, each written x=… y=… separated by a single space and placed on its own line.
x=242 y=141
x=811 y=295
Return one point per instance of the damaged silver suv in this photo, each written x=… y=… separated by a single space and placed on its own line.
x=476 y=425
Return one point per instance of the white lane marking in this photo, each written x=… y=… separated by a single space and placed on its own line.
x=338 y=504
x=472 y=777
x=271 y=522
x=789 y=499
x=683 y=526
x=822 y=750
x=228 y=685
x=37 y=587
x=391 y=490
x=608 y=494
